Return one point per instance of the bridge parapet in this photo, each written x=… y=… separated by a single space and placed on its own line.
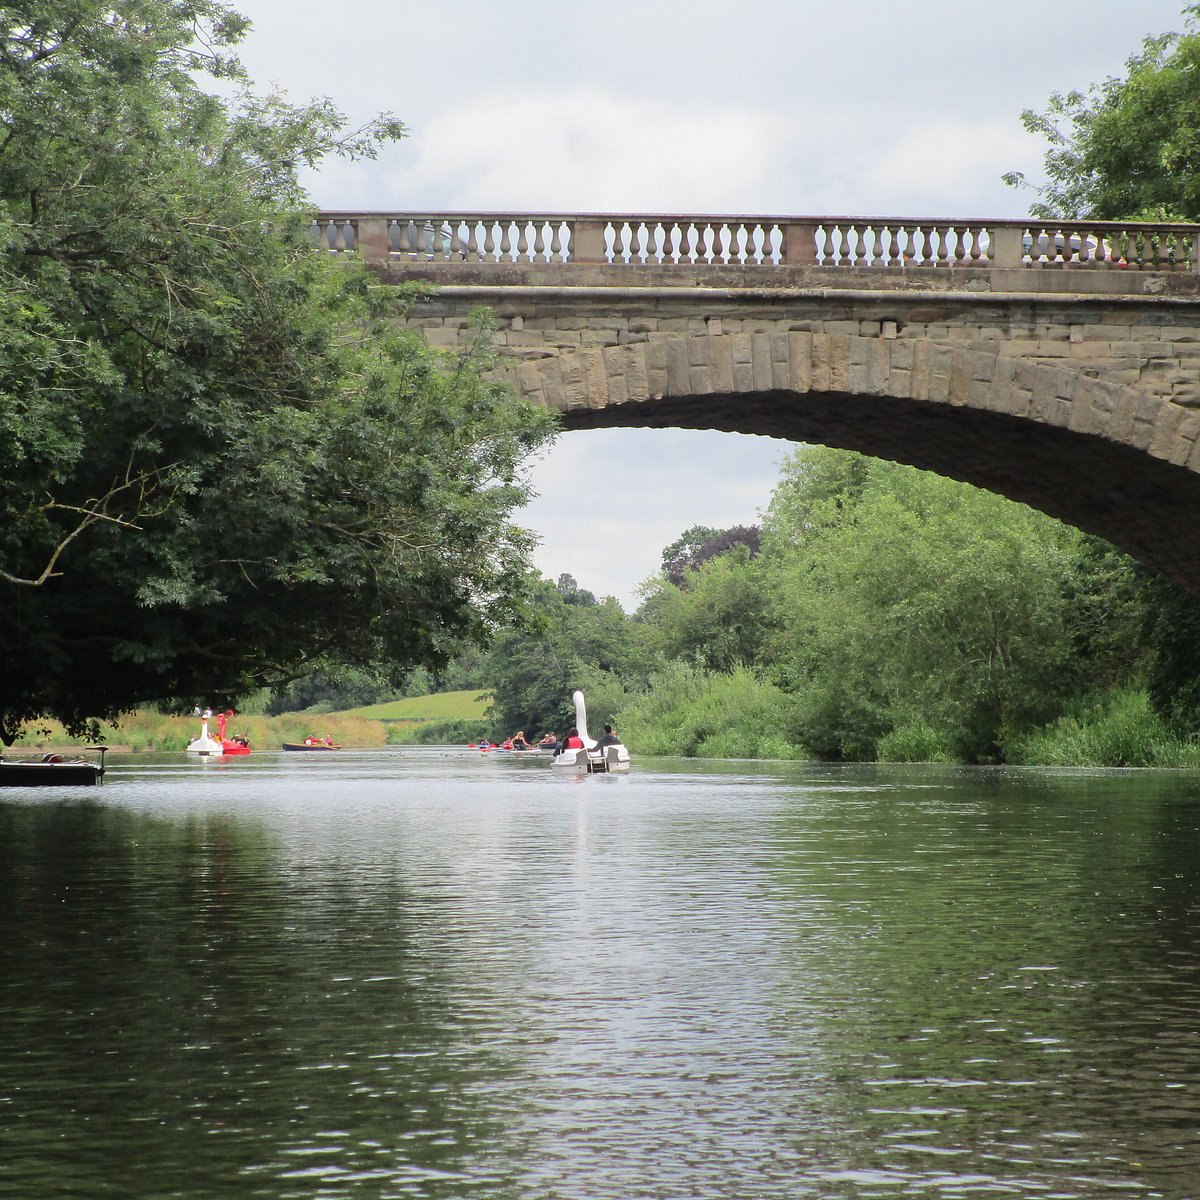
x=559 y=248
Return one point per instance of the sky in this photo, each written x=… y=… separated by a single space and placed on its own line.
x=852 y=107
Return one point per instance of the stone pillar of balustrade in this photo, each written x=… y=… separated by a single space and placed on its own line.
x=799 y=244
x=371 y=239
x=587 y=241
x=1008 y=247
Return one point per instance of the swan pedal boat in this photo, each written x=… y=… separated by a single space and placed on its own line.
x=611 y=760
x=208 y=746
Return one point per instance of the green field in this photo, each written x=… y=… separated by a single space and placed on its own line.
x=441 y=706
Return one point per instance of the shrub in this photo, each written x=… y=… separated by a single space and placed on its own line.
x=695 y=713
x=1119 y=729
x=914 y=742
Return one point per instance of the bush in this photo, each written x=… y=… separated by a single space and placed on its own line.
x=433 y=733
x=914 y=742
x=695 y=713
x=1119 y=729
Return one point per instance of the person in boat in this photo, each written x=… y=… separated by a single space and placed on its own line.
x=310 y=740
x=328 y=740
x=519 y=741
x=607 y=738
x=549 y=741
x=574 y=741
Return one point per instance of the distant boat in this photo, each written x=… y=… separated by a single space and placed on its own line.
x=211 y=747
x=52 y=771
x=309 y=746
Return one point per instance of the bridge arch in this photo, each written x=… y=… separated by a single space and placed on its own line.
x=1106 y=457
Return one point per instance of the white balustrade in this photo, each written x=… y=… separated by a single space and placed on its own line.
x=676 y=241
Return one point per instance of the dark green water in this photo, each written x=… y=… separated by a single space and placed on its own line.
x=421 y=974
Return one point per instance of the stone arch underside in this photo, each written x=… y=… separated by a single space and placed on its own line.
x=1101 y=456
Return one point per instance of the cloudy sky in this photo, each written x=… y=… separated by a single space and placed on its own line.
x=865 y=107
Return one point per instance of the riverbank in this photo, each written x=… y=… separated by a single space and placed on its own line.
x=146 y=731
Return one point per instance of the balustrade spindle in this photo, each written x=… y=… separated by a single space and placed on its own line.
x=618 y=241
x=646 y=242
x=656 y=242
x=474 y=253
x=942 y=240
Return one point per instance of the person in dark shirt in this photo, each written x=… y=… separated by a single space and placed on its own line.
x=607 y=738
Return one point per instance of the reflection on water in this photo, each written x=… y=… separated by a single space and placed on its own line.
x=433 y=974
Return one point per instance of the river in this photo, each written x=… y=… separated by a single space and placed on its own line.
x=432 y=973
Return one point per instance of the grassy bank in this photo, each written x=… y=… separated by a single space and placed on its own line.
x=467 y=705
x=145 y=731
x=442 y=718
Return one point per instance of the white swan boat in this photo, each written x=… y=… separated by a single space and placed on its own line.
x=591 y=760
x=205 y=743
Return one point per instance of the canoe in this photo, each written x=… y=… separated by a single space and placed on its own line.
x=303 y=746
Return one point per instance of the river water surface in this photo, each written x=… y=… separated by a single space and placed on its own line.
x=430 y=973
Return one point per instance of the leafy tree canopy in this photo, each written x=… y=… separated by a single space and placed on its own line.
x=1127 y=148
x=223 y=458
x=905 y=598
x=537 y=664
x=700 y=544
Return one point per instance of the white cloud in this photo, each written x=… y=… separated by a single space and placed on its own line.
x=591 y=150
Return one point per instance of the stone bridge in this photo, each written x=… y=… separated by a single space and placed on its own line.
x=1056 y=364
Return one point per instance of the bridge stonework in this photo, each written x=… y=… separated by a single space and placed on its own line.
x=1070 y=382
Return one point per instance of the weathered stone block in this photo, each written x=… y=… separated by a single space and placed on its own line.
x=800 y=360
x=679 y=379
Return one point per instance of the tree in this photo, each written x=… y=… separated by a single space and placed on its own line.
x=563 y=644
x=225 y=460
x=1127 y=148
x=721 y=617
x=700 y=544
x=906 y=598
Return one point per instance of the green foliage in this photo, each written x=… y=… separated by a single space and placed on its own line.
x=438 y=733
x=161 y=733
x=700 y=544
x=906 y=599
x=331 y=688
x=691 y=712
x=1127 y=148
x=914 y=742
x=563 y=643
x=470 y=705
x=224 y=460
x=1172 y=631
x=720 y=617
x=1117 y=729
